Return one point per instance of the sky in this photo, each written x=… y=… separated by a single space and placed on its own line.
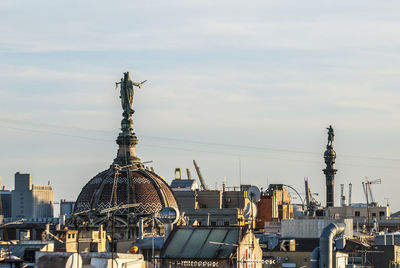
x=246 y=89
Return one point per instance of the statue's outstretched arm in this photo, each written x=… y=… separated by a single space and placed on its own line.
x=139 y=85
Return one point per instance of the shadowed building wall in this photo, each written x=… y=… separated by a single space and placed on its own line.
x=5 y=196
x=29 y=200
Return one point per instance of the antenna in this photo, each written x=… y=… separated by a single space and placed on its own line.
x=342 y=197
x=240 y=172
x=350 y=189
x=387 y=200
x=254 y=195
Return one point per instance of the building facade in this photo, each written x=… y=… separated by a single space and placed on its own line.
x=275 y=205
x=67 y=208
x=5 y=196
x=29 y=200
x=359 y=213
x=212 y=207
x=43 y=201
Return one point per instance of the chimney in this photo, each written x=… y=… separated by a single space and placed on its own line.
x=178 y=171
x=189 y=176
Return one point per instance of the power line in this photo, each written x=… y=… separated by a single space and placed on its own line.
x=162 y=138
x=262 y=149
x=7 y=120
x=53 y=133
x=195 y=150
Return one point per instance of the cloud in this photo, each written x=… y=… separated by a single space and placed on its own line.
x=195 y=25
x=267 y=74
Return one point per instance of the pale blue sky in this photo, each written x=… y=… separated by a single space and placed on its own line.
x=236 y=77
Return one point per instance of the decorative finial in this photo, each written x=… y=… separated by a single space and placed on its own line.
x=127 y=139
x=126 y=95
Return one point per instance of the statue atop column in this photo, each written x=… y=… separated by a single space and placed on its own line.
x=330 y=171
x=331 y=135
x=127 y=93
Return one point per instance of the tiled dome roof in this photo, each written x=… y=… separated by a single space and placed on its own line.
x=134 y=186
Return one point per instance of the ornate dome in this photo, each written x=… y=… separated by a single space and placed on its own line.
x=127 y=181
x=134 y=186
x=329 y=155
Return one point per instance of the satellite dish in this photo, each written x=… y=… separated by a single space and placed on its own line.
x=74 y=261
x=169 y=215
x=254 y=194
x=250 y=211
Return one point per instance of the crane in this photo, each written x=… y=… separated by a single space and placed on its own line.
x=308 y=192
x=203 y=184
x=368 y=191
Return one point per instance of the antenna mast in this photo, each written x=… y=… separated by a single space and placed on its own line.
x=350 y=190
x=342 y=197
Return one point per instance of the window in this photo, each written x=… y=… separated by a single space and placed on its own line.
x=213 y=223
x=357 y=214
x=381 y=213
x=373 y=214
x=226 y=223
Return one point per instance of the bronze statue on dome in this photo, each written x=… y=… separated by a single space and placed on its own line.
x=126 y=93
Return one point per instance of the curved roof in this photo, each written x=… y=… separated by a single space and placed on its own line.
x=134 y=186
